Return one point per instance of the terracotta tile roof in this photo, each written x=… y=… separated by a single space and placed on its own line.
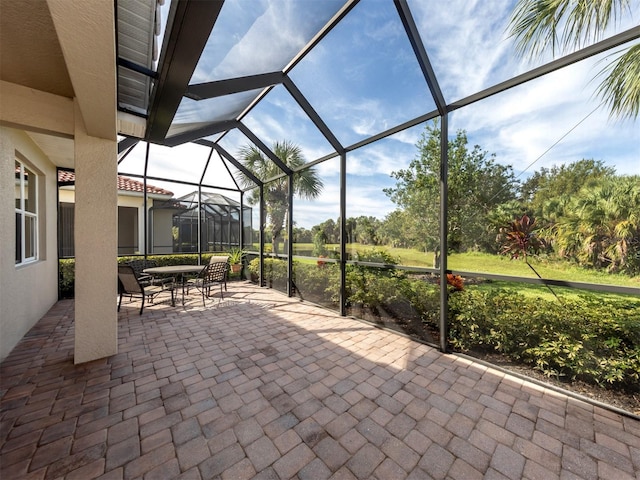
x=125 y=184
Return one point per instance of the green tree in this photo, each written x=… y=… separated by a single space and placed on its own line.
x=565 y=25
x=366 y=231
x=393 y=230
x=302 y=235
x=319 y=243
x=477 y=184
x=553 y=183
x=330 y=229
x=306 y=183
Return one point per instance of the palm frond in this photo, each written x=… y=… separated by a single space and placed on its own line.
x=561 y=25
x=620 y=90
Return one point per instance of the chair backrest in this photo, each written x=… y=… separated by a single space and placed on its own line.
x=128 y=279
x=216 y=271
x=137 y=265
x=219 y=259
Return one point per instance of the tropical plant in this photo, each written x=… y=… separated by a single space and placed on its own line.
x=564 y=25
x=558 y=181
x=599 y=226
x=520 y=240
x=306 y=182
x=236 y=255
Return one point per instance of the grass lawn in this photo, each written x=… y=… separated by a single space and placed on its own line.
x=497 y=264
x=502 y=265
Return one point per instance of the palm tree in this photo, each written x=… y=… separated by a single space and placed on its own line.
x=600 y=227
x=306 y=183
x=562 y=25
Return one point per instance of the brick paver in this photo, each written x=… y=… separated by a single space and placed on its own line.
x=262 y=386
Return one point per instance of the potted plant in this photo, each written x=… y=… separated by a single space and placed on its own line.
x=236 y=256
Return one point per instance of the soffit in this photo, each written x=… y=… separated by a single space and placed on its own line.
x=58 y=149
x=34 y=61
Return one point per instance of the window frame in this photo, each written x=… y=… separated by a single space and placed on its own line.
x=27 y=239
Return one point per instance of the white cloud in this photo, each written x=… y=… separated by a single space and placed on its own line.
x=260 y=36
x=551 y=120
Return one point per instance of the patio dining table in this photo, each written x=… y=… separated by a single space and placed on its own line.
x=179 y=270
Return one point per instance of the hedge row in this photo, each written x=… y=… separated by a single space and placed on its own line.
x=68 y=267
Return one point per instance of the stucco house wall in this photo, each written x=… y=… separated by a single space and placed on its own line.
x=26 y=291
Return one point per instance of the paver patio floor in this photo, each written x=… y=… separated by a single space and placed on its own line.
x=263 y=386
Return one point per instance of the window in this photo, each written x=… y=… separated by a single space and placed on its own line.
x=26 y=214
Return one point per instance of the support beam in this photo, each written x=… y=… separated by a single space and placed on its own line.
x=126 y=143
x=190 y=24
x=266 y=150
x=444 y=247
x=343 y=234
x=86 y=31
x=421 y=54
x=35 y=111
x=313 y=115
x=236 y=164
x=290 y=286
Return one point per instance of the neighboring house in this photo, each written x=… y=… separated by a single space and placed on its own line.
x=131 y=217
x=219 y=228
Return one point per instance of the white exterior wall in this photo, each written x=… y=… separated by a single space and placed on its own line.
x=28 y=291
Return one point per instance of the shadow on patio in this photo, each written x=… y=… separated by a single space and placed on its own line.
x=263 y=386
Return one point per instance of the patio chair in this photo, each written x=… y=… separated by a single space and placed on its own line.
x=144 y=278
x=215 y=273
x=128 y=284
x=221 y=259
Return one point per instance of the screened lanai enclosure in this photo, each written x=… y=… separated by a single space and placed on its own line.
x=384 y=154
x=205 y=222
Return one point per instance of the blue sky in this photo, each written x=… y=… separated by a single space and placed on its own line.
x=363 y=79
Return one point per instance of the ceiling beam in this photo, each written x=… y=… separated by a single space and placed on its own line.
x=312 y=114
x=202 y=91
x=127 y=142
x=202 y=132
x=266 y=150
x=86 y=32
x=189 y=26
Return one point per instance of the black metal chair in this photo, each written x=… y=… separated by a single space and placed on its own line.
x=215 y=273
x=144 y=278
x=128 y=284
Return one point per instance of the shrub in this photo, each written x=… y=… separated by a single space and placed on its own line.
x=66 y=280
x=317 y=283
x=424 y=297
x=275 y=271
x=579 y=339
